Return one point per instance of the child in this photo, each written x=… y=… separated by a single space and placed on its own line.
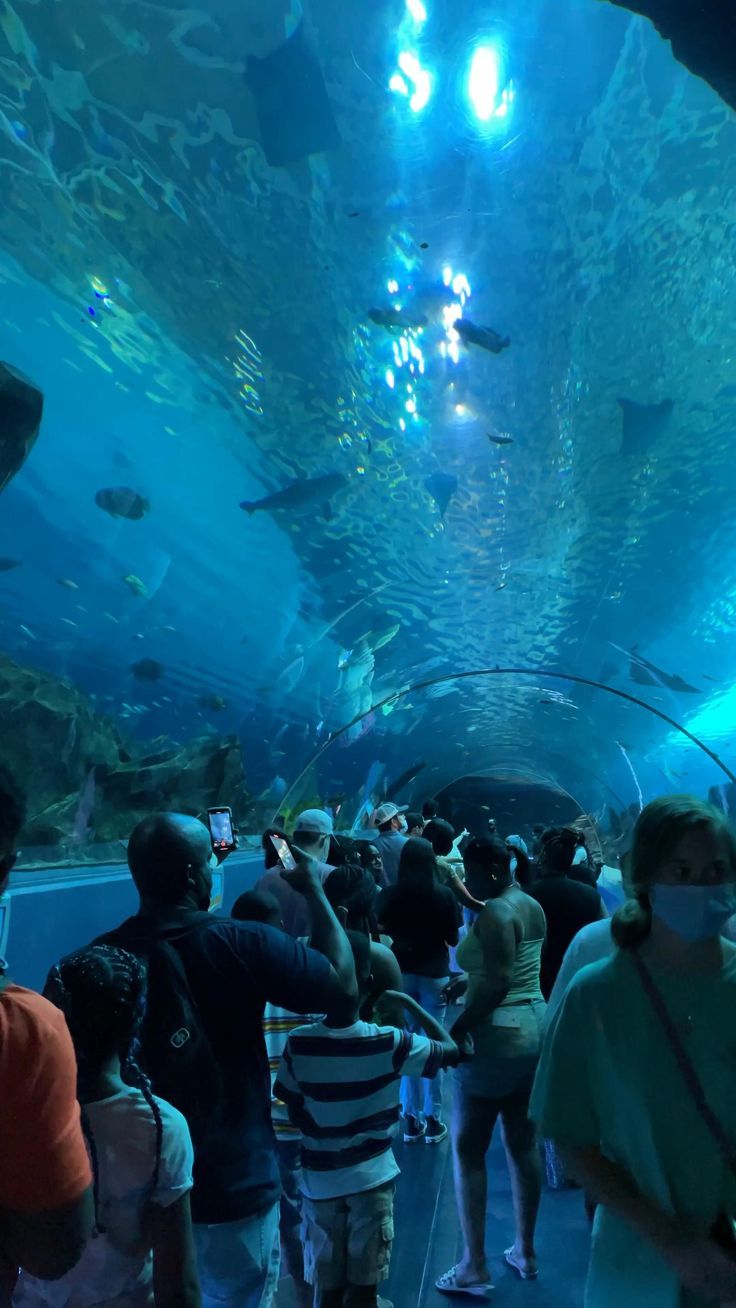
x=142 y=1251
x=339 y=1079
x=262 y=906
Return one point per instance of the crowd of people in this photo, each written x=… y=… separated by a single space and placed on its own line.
x=197 y=1097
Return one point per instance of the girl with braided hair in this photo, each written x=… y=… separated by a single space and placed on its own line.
x=142 y=1250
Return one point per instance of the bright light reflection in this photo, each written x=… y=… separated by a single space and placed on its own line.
x=411 y=68
x=417 y=10
x=393 y=287
x=390 y=378
x=483 y=82
x=447 y=275
x=398 y=85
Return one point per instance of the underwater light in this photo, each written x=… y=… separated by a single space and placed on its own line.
x=412 y=69
x=390 y=378
x=398 y=85
x=489 y=93
x=447 y=275
x=417 y=10
x=483 y=81
x=393 y=287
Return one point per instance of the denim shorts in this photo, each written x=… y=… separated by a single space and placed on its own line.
x=505 y=1059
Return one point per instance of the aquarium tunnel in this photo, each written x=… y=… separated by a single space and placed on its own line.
x=367 y=422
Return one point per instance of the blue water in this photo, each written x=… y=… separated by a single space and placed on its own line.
x=575 y=196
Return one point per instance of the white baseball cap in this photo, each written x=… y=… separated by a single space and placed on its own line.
x=385 y=812
x=315 y=819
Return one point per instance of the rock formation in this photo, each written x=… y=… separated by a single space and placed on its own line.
x=21 y=409
x=85 y=784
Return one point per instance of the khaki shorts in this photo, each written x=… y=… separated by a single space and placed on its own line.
x=347 y=1241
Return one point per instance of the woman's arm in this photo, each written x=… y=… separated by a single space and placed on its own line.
x=703 y=1268
x=462 y=894
x=175 y=1280
x=497 y=935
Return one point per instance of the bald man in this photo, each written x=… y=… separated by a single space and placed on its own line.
x=231 y=969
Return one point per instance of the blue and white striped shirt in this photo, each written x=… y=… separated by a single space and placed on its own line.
x=341 y=1088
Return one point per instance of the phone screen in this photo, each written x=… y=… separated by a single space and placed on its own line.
x=221 y=828
x=286 y=858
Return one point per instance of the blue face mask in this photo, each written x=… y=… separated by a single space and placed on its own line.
x=694 y=912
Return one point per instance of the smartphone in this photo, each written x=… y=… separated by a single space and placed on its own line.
x=220 y=822
x=286 y=858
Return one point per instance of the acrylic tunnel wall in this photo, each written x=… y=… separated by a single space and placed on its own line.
x=393 y=347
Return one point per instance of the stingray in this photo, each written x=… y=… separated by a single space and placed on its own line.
x=441 y=486
x=643 y=424
x=294 y=112
x=645 y=673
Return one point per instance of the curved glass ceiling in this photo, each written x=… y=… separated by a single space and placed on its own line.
x=378 y=343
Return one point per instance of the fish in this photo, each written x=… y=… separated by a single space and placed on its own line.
x=67 y=583
x=136 y=585
x=441 y=486
x=148 y=670
x=398 y=320
x=81 y=832
x=642 y=424
x=645 y=673
x=299 y=494
x=213 y=702
x=484 y=337
x=385 y=637
x=21 y=411
x=398 y=785
x=500 y=440
x=27 y=631
x=7 y=565
x=122 y=502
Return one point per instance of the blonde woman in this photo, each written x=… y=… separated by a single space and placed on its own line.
x=636 y=1082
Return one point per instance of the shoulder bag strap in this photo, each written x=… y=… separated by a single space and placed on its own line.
x=687 y=1069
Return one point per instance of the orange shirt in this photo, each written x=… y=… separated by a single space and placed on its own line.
x=43 y=1156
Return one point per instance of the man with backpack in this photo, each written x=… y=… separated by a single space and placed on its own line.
x=209 y=978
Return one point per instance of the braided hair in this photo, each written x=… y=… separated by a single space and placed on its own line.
x=102 y=993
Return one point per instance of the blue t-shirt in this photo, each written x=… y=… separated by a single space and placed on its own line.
x=233 y=969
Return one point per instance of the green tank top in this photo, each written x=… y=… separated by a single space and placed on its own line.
x=524 y=986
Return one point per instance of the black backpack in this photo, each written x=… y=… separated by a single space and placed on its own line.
x=177 y=1054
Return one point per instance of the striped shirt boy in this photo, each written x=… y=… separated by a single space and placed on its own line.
x=341 y=1088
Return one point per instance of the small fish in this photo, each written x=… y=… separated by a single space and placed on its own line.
x=69 y=622
x=502 y=586
x=136 y=585
x=500 y=440
x=441 y=486
x=122 y=502
x=379 y=641
x=27 y=631
x=299 y=494
x=7 y=565
x=111 y=618
x=484 y=337
x=398 y=320
x=213 y=702
x=67 y=583
x=344 y=658
x=148 y=670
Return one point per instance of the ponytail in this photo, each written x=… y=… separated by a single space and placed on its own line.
x=632 y=923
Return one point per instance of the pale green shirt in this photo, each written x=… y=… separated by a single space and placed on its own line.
x=608 y=1078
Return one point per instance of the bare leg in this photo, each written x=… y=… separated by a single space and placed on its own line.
x=473 y=1122
x=525 y=1168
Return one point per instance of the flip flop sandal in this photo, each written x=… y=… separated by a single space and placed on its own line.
x=525 y=1273
x=448 y=1284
